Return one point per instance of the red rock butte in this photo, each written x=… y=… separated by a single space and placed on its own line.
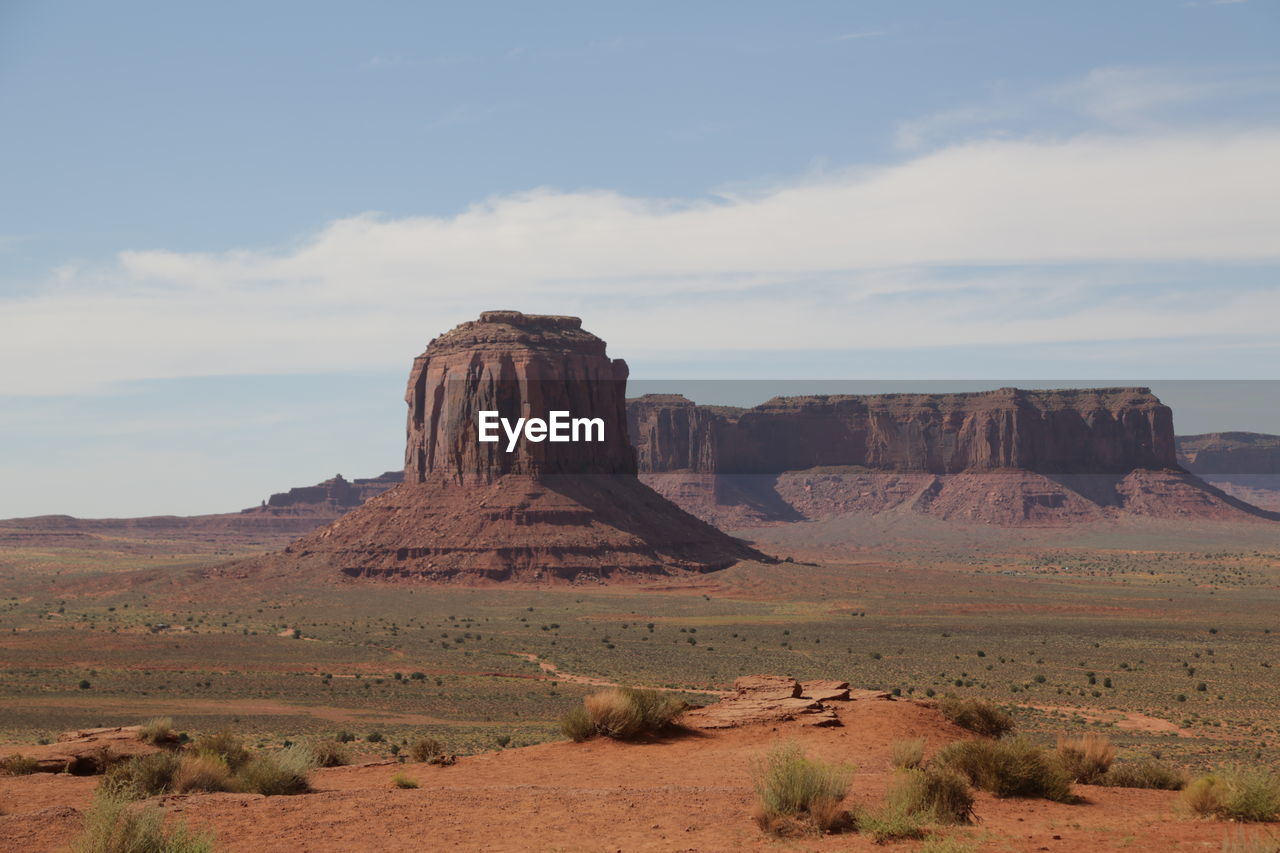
x=471 y=510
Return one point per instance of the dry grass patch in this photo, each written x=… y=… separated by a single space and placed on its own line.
x=1086 y=759
x=976 y=715
x=141 y=776
x=226 y=745
x=1245 y=794
x=907 y=754
x=18 y=765
x=1145 y=774
x=158 y=731
x=936 y=794
x=622 y=713
x=115 y=825
x=1012 y=768
x=796 y=794
x=278 y=773
x=202 y=772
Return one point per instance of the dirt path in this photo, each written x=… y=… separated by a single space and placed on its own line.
x=1127 y=720
x=558 y=674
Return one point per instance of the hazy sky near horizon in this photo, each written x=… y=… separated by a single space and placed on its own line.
x=229 y=227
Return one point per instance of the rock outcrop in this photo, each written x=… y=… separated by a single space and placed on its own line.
x=765 y=699
x=471 y=510
x=85 y=752
x=1007 y=457
x=1245 y=465
x=331 y=497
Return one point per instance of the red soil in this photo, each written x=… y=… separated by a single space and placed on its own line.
x=686 y=793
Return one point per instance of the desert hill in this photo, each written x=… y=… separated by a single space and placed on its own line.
x=690 y=790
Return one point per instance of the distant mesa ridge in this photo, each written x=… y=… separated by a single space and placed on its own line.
x=1008 y=457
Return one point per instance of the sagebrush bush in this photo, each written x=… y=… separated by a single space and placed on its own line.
x=934 y=794
x=1145 y=774
x=1236 y=793
x=141 y=776
x=115 y=825
x=577 y=725
x=328 y=753
x=425 y=749
x=402 y=781
x=157 y=731
x=18 y=765
x=226 y=745
x=277 y=773
x=890 y=824
x=907 y=754
x=976 y=715
x=1008 y=768
x=622 y=713
x=202 y=772
x=1087 y=758
x=792 y=788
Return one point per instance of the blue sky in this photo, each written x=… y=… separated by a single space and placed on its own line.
x=229 y=227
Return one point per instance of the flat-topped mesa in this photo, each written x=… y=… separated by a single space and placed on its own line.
x=1074 y=431
x=523 y=506
x=518 y=365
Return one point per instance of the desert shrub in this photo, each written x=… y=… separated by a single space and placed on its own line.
x=792 y=789
x=402 y=781
x=1236 y=794
x=141 y=776
x=626 y=712
x=18 y=765
x=622 y=713
x=1086 y=759
x=425 y=749
x=907 y=754
x=1012 y=768
x=577 y=725
x=157 y=731
x=891 y=824
x=1145 y=774
x=202 y=771
x=277 y=773
x=226 y=745
x=935 y=794
x=328 y=753
x=976 y=715
x=114 y=825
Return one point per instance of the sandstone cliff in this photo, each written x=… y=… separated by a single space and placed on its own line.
x=469 y=510
x=1009 y=457
x=1245 y=465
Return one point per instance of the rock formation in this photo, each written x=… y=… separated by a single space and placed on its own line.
x=1245 y=465
x=1005 y=457
x=469 y=509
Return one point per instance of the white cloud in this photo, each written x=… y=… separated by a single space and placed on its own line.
x=847 y=260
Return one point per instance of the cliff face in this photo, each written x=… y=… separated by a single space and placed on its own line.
x=1110 y=430
x=1005 y=457
x=469 y=509
x=1230 y=453
x=519 y=366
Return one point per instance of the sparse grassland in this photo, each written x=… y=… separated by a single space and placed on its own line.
x=1165 y=641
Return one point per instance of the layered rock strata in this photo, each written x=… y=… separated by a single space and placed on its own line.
x=572 y=510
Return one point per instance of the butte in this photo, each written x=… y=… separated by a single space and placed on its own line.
x=471 y=511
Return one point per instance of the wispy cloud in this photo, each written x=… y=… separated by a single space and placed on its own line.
x=990 y=241
x=1112 y=98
